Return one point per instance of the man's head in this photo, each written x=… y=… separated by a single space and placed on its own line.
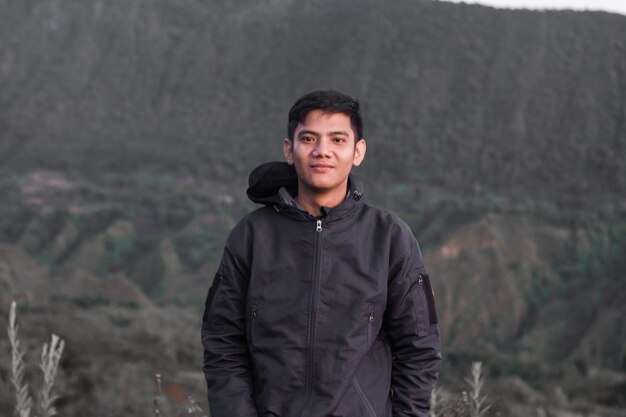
x=328 y=101
x=325 y=141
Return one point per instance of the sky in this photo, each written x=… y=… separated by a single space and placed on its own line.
x=615 y=6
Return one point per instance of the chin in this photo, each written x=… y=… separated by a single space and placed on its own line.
x=322 y=188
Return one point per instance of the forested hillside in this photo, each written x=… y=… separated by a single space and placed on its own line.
x=466 y=97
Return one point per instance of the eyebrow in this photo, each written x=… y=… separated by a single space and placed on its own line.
x=307 y=132
x=311 y=132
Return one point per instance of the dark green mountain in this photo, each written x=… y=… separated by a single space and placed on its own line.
x=467 y=97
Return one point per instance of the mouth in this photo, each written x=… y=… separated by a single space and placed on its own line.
x=321 y=167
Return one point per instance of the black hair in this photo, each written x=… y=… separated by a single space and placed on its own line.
x=329 y=101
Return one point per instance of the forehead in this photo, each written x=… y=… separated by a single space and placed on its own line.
x=324 y=122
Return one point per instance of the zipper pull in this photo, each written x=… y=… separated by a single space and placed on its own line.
x=370 y=318
x=319 y=226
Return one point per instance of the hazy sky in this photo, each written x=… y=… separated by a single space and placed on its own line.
x=616 y=6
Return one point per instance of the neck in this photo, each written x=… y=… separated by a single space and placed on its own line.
x=313 y=202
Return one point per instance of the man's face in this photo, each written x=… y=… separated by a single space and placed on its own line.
x=323 y=152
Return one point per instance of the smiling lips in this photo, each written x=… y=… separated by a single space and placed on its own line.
x=321 y=167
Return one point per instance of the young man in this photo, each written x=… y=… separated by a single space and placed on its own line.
x=321 y=305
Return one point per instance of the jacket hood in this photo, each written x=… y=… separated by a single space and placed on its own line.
x=276 y=183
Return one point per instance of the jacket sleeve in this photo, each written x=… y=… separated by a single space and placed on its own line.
x=413 y=333
x=227 y=365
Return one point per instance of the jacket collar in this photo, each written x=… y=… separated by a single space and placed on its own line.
x=276 y=184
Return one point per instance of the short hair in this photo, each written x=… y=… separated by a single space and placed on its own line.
x=329 y=101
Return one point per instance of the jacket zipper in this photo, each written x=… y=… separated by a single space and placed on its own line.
x=317 y=259
x=370 y=323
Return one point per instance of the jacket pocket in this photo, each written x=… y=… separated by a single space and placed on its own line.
x=209 y=306
x=424 y=301
x=430 y=299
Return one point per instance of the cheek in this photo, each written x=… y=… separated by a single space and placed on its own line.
x=298 y=153
x=298 y=163
x=298 y=158
x=349 y=157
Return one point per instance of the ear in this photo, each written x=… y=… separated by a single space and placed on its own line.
x=359 y=152
x=288 y=150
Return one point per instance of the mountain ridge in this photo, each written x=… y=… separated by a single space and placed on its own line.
x=470 y=90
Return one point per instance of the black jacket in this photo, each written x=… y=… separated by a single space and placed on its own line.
x=328 y=316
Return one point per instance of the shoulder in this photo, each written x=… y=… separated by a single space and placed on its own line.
x=389 y=221
x=244 y=229
x=401 y=239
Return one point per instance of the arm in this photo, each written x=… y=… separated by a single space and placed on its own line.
x=411 y=324
x=227 y=367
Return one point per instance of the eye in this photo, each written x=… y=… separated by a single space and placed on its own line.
x=307 y=138
x=339 y=139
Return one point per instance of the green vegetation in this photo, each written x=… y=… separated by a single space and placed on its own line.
x=41 y=230
x=120 y=251
x=204 y=244
x=588 y=273
x=132 y=305
x=87 y=302
x=524 y=103
x=119 y=322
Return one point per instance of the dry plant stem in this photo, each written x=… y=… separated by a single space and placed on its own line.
x=435 y=402
x=191 y=407
x=476 y=382
x=157 y=411
x=194 y=406
x=24 y=402
x=49 y=365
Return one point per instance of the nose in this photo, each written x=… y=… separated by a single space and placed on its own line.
x=321 y=149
